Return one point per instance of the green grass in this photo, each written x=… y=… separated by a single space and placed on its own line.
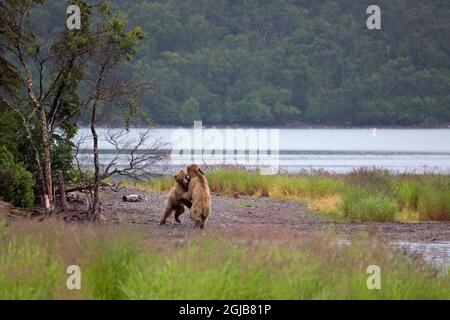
x=361 y=205
x=230 y=181
x=110 y=268
x=366 y=194
x=27 y=272
x=129 y=264
x=216 y=269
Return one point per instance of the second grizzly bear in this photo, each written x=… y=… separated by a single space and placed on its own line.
x=174 y=202
x=198 y=191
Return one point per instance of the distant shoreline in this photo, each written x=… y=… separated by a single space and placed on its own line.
x=287 y=126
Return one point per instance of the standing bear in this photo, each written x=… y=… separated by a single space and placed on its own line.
x=174 y=202
x=198 y=193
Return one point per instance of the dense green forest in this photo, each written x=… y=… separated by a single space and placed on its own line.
x=284 y=61
x=279 y=62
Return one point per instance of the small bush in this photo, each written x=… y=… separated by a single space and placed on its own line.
x=16 y=183
x=360 y=204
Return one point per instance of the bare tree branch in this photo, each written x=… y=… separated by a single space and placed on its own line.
x=145 y=156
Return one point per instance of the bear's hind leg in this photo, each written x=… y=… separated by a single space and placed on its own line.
x=178 y=212
x=167 y=212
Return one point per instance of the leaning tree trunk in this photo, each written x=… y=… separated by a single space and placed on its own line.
x=95 y=204
x=48 y=195
x=47 y=170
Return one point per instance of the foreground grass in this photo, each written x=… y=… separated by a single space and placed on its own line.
x=127 y=264
x=369 y=195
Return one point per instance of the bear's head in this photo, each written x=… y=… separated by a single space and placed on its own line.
x=194 y=170
x=182 y=178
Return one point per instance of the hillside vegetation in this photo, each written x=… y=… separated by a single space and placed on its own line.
x=285 y=61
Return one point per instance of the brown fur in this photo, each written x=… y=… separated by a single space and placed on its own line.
x=198 y=191
x=174 y=202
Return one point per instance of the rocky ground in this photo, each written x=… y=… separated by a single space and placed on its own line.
x=247 y=214
x=244 y=214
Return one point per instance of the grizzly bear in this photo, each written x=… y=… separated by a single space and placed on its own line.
x=174 y=202
x=198 y=192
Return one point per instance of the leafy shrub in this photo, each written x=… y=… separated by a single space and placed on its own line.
x=16 y=183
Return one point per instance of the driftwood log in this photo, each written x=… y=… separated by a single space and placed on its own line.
x=133 y=198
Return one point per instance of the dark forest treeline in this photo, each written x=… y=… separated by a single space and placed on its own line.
x=286 y=61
